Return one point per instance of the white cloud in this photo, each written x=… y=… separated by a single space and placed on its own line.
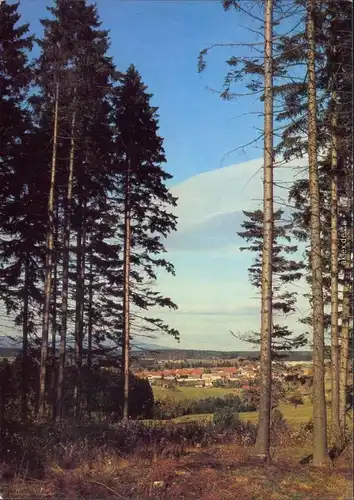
x=211 y=286
x=210 y=204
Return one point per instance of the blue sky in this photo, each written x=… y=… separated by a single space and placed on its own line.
x=163 y=40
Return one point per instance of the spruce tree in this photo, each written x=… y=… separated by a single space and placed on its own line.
x=73 y=56
x=140 y=189
x=21 y=232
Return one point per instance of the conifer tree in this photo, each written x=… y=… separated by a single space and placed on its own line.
x=139 y=182
x=86 y=73
x=333 y=150
x=263 y=432
x=49 y=72
x=19 y=273
x=319 y=402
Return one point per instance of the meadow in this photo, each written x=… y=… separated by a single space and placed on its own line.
x=294 y=416
x=298 y=416
x=183 y=393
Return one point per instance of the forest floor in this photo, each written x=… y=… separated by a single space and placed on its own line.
x=219 y=472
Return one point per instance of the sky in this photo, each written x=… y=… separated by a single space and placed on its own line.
x=215 y=178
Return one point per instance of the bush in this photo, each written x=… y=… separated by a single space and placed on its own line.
x=168 y=408
x=296 y=399
x=66 y=444
x=225 y=418
x=277 y=415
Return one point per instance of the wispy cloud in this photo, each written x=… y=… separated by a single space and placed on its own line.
x=211 y=287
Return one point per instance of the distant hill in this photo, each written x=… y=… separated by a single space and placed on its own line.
x=168 y=354
x=9 y=348
x=8 y=342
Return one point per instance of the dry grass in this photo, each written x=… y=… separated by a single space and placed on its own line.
x=215 y=473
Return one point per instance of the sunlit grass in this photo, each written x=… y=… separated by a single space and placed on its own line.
x=188 y=393
x=302 y=414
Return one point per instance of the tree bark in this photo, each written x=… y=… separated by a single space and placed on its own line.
x=89 y=327
x=346 y=323
x=335 y=356
x=263 y=434
x=79 y=311
x=65 y=284
x=24 y=402
x=49 y=260
x=90 y=318
x=126 y=295
x=319 y=401
x=54 y=312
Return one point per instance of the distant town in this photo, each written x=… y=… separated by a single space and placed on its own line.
x=243 y=374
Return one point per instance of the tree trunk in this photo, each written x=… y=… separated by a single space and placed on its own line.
x=126 y=296
x=65 y=285
x=90 y=318
x=319 y=401
x=54 y=312
x=263 y=434
x=49 y=260
x=334 y=282
x=80 y=296
x=24 y=402
x=346 y=324
x=89 y=327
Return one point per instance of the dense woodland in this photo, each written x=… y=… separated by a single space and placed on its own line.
x=84 y=203
x=85 y=209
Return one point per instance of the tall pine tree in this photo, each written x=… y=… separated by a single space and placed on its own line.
x=140 y=189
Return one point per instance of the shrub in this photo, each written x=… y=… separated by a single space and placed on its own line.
x=168 y=408
x=296 y=399
x=277 y=415
x=225 y=418
x=40 y=446
x=279 y=428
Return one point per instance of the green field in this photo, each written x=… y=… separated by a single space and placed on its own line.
x=183 y=393
x=294 y=416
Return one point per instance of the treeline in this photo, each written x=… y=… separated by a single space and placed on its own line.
x=180 y=358
x=167 y=409
x=302 y=241
x=84 y=207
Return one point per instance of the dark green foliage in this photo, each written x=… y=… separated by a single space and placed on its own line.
x=225 y=418
x=102 y=385
x=10 y=388
x=105 y=387
x=137 y=167
x=168 y=409
x=277 y=415
x=22 y=230
x=105 y=117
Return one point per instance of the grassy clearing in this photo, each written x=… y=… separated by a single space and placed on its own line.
x=216 y=473
x=294 y=416
x=184 y=393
